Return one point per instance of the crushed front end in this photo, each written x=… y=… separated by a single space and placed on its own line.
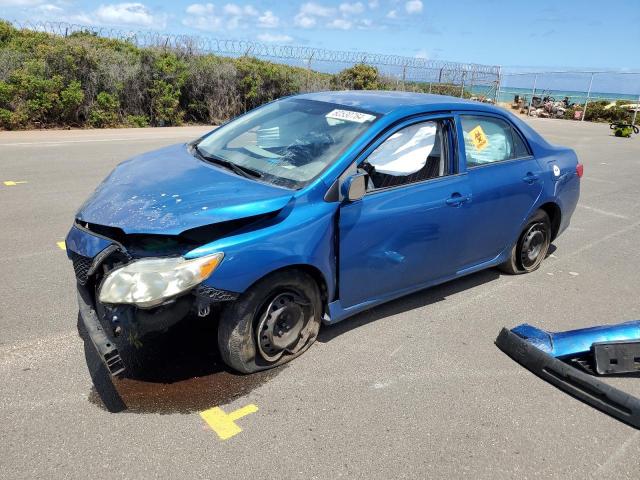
x=96 y=257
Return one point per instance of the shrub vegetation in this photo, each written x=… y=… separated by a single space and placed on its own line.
x=85 y=80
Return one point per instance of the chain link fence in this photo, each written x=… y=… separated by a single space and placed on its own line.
x=399 y=72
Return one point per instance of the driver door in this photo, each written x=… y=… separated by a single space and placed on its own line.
x=405 y=232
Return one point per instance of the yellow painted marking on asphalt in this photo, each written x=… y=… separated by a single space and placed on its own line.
x=13 y=183
x=61 y=245
x=224 y=423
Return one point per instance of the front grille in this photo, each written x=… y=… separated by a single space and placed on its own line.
x=81 y=266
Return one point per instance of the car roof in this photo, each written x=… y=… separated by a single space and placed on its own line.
x=385 y=102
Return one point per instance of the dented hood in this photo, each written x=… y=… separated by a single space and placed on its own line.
x=169 y=191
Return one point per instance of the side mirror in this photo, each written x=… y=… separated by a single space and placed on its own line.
x=355 y=187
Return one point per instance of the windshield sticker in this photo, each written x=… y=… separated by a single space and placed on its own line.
x=479 y=139
x=350 y=116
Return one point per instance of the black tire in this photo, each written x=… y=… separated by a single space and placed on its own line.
x=532 y=246
x=240 y=347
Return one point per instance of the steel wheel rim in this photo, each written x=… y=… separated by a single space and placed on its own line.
x=533 y=246
x=282 y=325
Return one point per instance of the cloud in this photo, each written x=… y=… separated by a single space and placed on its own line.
x=49 y=8
x=128 y=14
x=351 y=8
x=413 y=6
x=268 y=20
x=392 y=14
x=304 y=21
x=316 y=10
x=19 y=3
x=307 y=16
x=373 y=4
x=200 y=9
x=340 y=24
x=274 y=38
x=206 y=16
x=238 y=11
x=202 y=16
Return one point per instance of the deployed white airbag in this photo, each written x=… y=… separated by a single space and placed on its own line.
x=405 y=152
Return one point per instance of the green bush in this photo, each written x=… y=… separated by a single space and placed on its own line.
x=138 y=121
x=85 y=80
x=105 y=111
x=359 y=77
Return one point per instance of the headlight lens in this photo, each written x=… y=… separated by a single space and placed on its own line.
x=147 y=283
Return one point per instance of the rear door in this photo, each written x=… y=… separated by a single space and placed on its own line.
x=505 y=180
x=405 y=231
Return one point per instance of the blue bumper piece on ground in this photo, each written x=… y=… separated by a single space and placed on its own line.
x=575 y=343
x=613 y=349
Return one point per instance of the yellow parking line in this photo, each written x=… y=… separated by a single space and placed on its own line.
x=61 y=245
x=224 y=423
x=13 y=183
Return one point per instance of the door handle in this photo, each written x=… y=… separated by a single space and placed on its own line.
x=456 y=199
x=530 y=178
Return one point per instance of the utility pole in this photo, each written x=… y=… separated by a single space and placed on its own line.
x=635 y=111
x=586 y=102
x=533 y=92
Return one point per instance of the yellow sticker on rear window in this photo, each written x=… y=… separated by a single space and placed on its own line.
x=479 y=139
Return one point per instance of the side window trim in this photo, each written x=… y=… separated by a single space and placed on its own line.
x=462 y=147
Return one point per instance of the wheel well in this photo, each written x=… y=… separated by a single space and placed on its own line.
x=314 y=273
x=555 y=215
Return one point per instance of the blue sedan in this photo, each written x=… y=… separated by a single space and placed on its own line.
x=308 y=210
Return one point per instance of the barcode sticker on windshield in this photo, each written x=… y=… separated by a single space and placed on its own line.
x=350 y=116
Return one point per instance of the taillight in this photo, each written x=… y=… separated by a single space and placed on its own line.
x=579 y=170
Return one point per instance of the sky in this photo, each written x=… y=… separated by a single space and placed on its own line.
x=554 y=34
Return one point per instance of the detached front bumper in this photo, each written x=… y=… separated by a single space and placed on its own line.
x=576 y=383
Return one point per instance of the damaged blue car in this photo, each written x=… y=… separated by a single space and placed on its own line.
x=308 y=210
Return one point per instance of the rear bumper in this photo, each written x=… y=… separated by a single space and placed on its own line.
x=104 y=345
x=580 y=385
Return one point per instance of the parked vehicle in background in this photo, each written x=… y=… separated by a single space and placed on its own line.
x=310 y=209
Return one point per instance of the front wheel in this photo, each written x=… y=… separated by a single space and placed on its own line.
x=273 y=322
x=532 y=246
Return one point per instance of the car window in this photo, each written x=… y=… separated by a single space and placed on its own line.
x=487 y=140
x=412 y=154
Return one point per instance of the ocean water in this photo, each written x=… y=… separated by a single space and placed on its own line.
x=507 y=94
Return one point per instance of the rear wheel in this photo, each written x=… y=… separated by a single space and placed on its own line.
x=532 y=246
x=273 y=322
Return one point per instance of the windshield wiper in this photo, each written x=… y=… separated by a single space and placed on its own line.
x=238 y=169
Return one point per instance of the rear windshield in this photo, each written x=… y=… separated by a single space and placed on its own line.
x=289 y=142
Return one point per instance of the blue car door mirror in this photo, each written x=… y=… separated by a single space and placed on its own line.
x=355 y=187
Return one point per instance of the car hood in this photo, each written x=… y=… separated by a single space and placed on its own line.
x=169 y=191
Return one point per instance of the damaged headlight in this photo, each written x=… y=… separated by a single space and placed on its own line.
x=147 y=283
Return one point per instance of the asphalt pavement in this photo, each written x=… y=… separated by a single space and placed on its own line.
x=411 y=389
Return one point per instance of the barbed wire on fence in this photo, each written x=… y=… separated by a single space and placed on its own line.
x=200 y=44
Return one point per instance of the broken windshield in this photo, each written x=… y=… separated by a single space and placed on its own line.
x=289 y=142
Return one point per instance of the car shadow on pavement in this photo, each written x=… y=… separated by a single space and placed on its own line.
x=178 y=372
x=422 y=298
